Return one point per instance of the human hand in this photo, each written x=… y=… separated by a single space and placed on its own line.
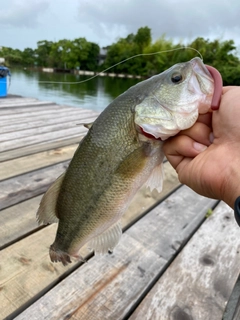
x=211 y=169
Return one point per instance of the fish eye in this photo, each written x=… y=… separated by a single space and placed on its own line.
x=176 y=77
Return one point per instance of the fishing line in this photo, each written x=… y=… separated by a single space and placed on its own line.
x=132 y=57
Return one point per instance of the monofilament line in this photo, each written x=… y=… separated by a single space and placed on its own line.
x=132 y=57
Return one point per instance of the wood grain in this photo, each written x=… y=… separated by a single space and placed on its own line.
x=23 y=103
x=199 y=282
x=43 y=137
x=18 y=110
x=42 y=146
x=36 y=140
x=123 y=277
x=42 y=130
x=31 y=184
x=20 y=219
x=33 y=115
x=35 y=161
x=36 y=123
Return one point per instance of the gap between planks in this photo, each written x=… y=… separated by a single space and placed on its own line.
x=20 y=219
x=28 y=262
x=123 y=277
x=199 y=282
x=42 y=146
x=36 y=161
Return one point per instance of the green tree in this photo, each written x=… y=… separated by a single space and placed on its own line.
x=127 y=47
x=93 y=54
x=143 y=38
x=42 y=53
x=28 y=57
x=72 y=54
x=12 y=56
x=222 y=55
x=163 y=57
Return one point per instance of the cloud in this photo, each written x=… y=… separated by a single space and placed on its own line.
x=22 y=13
x=185 y=19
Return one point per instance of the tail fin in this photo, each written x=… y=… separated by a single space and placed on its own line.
x=59 y=255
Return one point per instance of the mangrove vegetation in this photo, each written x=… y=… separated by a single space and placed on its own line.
x=82 y=54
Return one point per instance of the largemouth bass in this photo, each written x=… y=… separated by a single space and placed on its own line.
x=121 y=152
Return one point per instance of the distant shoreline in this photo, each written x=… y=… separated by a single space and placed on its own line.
x=91 y=73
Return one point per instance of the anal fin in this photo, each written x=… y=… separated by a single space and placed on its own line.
x=46 y=213
x=106 y=241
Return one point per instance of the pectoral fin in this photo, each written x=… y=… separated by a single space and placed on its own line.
x=47 y=210
x=155 y=180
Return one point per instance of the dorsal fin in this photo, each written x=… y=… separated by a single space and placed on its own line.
x=88 y=125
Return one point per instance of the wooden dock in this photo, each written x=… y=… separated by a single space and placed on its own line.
x=171 y=263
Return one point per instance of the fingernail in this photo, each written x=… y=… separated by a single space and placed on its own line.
x=199 y=147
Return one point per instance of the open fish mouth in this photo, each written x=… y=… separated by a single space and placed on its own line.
x=202 y=71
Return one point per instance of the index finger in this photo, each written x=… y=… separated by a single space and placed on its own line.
x=206 y=119
x=227 y=88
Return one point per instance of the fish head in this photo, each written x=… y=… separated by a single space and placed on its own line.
x=174 y=99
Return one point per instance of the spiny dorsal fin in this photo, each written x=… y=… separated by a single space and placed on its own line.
x=107 y=240
x=88 y=125
x=47 y=210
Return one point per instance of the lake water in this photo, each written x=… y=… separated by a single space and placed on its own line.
x=95 y=94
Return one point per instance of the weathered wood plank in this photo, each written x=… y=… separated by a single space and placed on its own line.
x=32 y=114
x=43 y=137
x=40 y=130
x=24 y=104
x=121 y=278
x=36 y=161
x=11 y=100
x=232 y=311
x=20 y=218
x=28 y=264
x=43 y=146
x=199 y=282
x=19 y=110
x=16 y=99
x=82 y=115
x=107 y=290
x=29 y=185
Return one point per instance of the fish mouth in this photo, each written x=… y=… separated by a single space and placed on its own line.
x=211 y=73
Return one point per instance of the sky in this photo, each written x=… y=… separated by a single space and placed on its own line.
x=25 y=22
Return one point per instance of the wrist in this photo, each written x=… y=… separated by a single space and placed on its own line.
x=232 y=188
x=229 y=173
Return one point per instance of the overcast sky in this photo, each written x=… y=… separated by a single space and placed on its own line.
x=24 y=22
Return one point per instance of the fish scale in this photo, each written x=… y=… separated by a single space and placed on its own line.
x=121 y=152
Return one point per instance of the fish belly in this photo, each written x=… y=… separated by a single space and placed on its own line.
x=99 y=221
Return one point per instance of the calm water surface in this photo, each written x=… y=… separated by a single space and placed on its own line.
x=95 y=94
